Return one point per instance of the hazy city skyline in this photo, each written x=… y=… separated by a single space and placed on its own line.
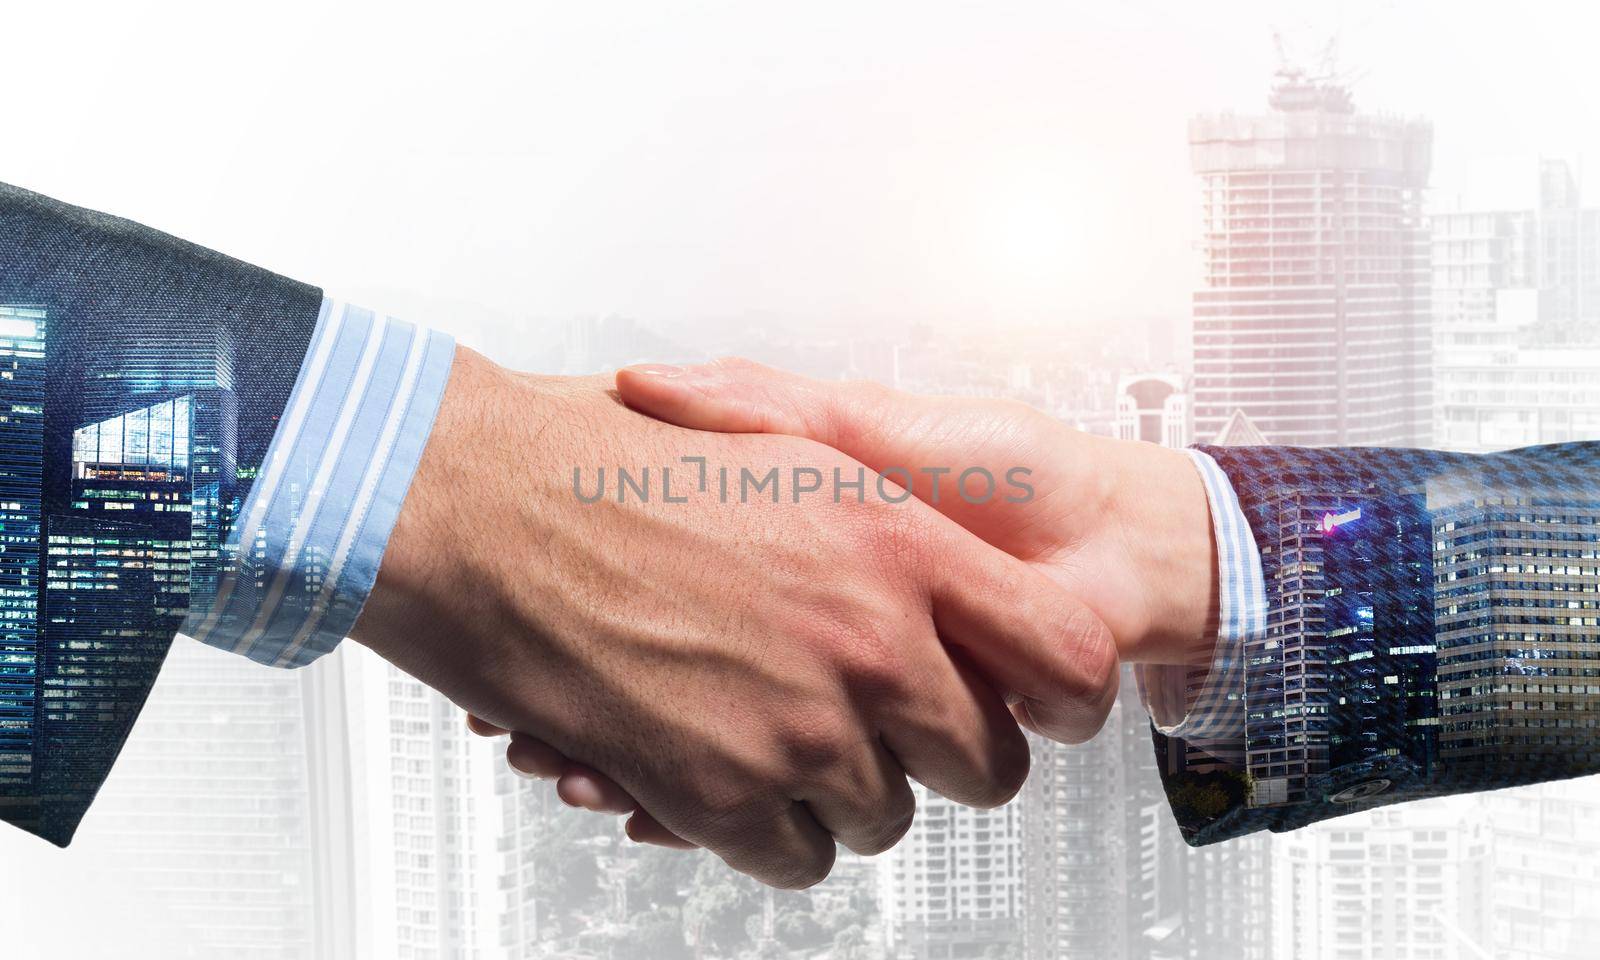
x=844 y=164
x=948 y=197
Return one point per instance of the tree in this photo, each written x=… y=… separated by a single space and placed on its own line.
x=653 y=935
x=850 y=943
x=796 y=928
x=662 y=877
x=717 y=908
x=567 y=882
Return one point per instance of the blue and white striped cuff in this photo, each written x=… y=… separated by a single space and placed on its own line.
x=1205 y=705
x=304 y=553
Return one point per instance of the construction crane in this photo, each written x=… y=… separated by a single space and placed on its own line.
x=1296 y=88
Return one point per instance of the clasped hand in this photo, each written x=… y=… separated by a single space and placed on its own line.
x=760 y=677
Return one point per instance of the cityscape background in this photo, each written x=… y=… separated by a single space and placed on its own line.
x=1294 y=223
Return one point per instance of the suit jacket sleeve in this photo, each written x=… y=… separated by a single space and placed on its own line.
x=141 y=379
x=1431 y=629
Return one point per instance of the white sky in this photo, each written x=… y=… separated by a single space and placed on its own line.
x=478 y=167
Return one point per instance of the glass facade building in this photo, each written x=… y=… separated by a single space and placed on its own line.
x=23 y=329
x=1519 y=629
x=1378 y=606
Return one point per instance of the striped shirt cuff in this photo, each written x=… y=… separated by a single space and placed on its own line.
x=1205 y=705
x=304 y=553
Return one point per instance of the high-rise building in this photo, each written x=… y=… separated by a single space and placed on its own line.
x=440 y=832
x=1102 y=863
x=212 y=819
x=22 y=393
x=1347 y=658
x=1378 y=609
x=111 y=591
x=1153 y=407
x=208 y=821
x=1409 y=881
x=1568 y=257
x=1075 y=872
x=117 y=584
x=1546 y=887
x=1517 y=362
x=951 y=888
x=1536 y=559
x=1228 y=896
x=1286 y=695
x=1516 y=299
x=1312 y=314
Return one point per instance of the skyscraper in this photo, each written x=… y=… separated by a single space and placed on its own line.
x=208 y=822
x=1546 y=886
x=1569 y=257
x=951 y=887
x=1345 y=669
x=153 y=423
x=1379 y=617
x=22 y=391
x=1517 y=321
x=1407 y=882
x=1537 y=559
x=1517 y=366
x=216 y=781
x=1102 y=863
x=1286 y=722
x=1312 y=315
x=435 y=830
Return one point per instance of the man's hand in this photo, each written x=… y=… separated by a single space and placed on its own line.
x=1125 y=526
x=761 y=676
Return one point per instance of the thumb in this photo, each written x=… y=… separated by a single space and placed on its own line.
x=930 y=442
x=1055 y=659
x=733 y=395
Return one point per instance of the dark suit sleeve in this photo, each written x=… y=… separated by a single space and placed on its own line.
x=1433 y=627
x=141 y=378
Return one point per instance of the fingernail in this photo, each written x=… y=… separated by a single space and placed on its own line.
x=657 y=369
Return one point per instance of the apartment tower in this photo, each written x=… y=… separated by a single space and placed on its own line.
x=1312 y=312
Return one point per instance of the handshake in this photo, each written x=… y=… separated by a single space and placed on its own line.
x=744 y=606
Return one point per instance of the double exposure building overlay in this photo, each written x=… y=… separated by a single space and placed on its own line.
x=23 y=330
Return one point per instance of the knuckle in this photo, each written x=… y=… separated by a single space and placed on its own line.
x=1007 y=771
x=866 y=656
x=804 y=873
x=891 y=827
x=729 y=811
x=814 y=739
x=1074 y=705
x=876 y=672
x=1092 y=653
x=1087 y=662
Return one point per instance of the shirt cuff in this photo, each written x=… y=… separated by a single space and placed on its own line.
x=1205 y=705
x=302 y=558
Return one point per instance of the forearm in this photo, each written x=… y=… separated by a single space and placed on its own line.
x=1427 y=640
x=144 y=378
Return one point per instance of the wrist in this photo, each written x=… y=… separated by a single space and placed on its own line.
x=433 y=562
x=1161 y=505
